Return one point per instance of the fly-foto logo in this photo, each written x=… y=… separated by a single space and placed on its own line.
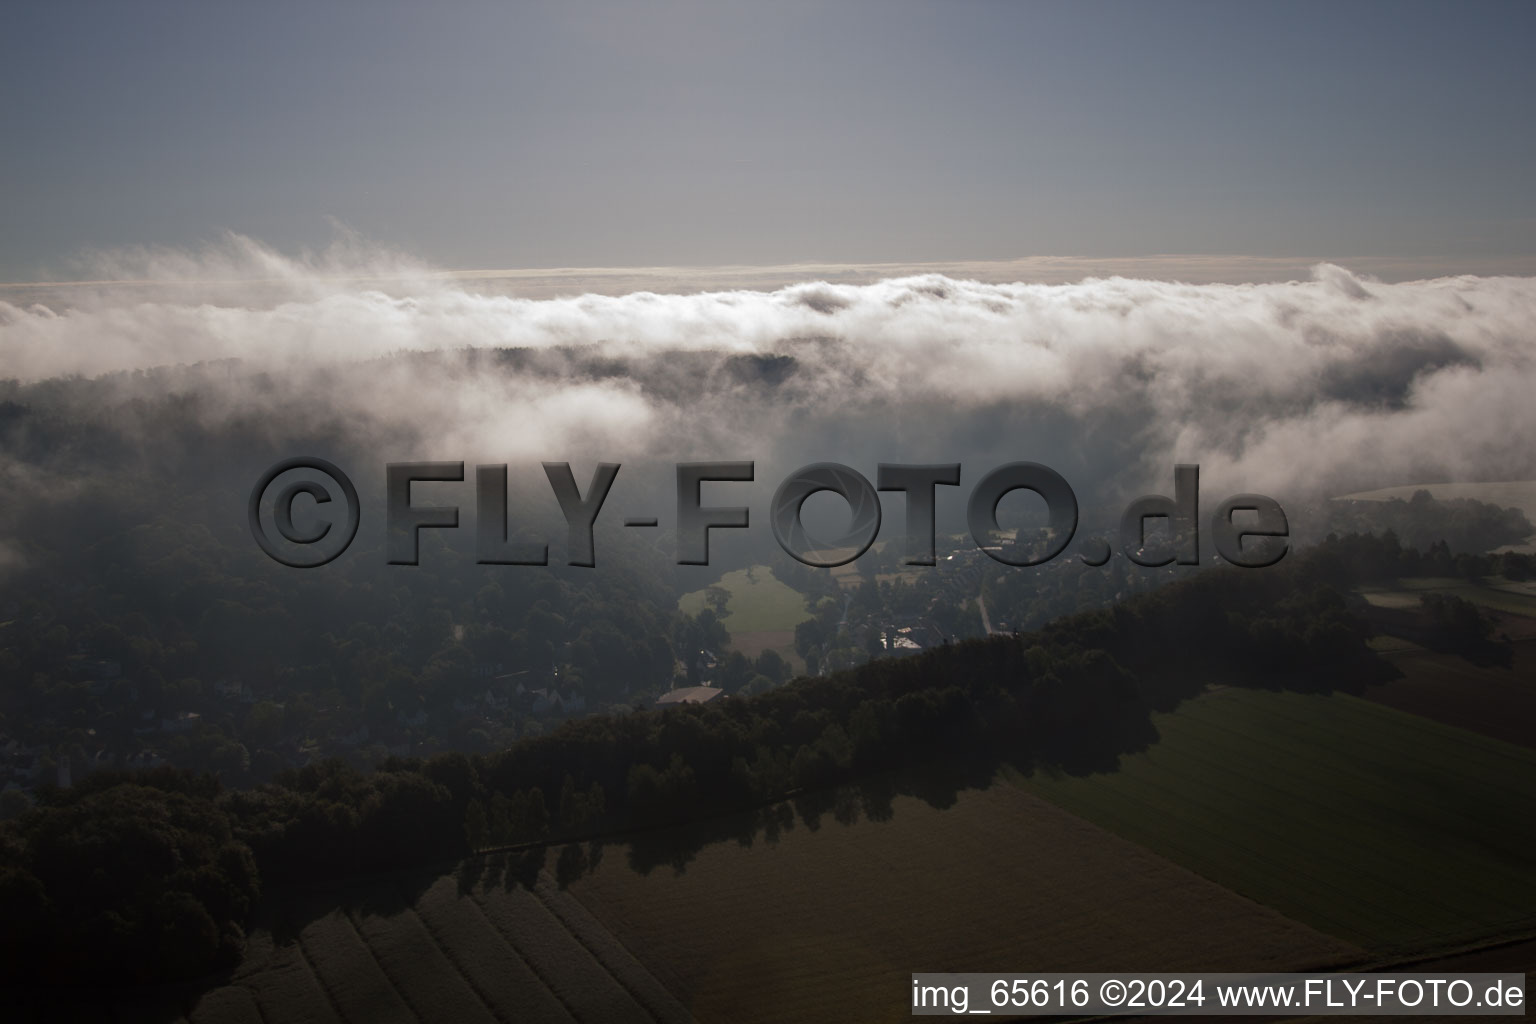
x=1261 y=539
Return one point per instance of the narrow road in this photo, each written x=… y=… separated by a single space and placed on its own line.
x=986 y=620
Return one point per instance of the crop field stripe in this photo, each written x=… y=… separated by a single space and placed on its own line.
x=448 y=955
x=288 y=991
x=346 y=916
x=507 y=937
x=408 y=956
x=627 y=971
x=543 y=898
x=320 y=982
x=228 y=1005
x=511 y=981
x=419 y=969
x=591 y=990
x=261 y=1014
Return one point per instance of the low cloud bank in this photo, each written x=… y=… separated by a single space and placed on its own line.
x=1325 y=385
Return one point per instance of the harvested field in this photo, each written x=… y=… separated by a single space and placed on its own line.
x=582 y=984
x=1495 y=701
x=227 y=1005
x=421 y=971
x=348 y=972
x=499 y=975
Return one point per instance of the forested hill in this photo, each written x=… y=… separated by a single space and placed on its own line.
x=133 y=879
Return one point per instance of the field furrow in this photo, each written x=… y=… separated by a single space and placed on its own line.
x=482 y=954
x=426 y=979
x=288 y=991
x=232 y=1004
x=350 y=974
x=612 y=954
x=583 y=985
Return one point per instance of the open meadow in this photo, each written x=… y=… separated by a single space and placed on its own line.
x=761 y=615
x=1495 y=595
x=758 y=602
x=1390 y=830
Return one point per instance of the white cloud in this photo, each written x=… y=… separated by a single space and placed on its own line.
x=1333 y=383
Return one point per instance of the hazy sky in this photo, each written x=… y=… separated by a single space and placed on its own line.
x=534 y=135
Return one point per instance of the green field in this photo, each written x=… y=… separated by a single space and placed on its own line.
x=1381 y=827
x=758 y=604
x=1384 y=644
x=1392 y=598
x=1508 y=597
x=1519 y=494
